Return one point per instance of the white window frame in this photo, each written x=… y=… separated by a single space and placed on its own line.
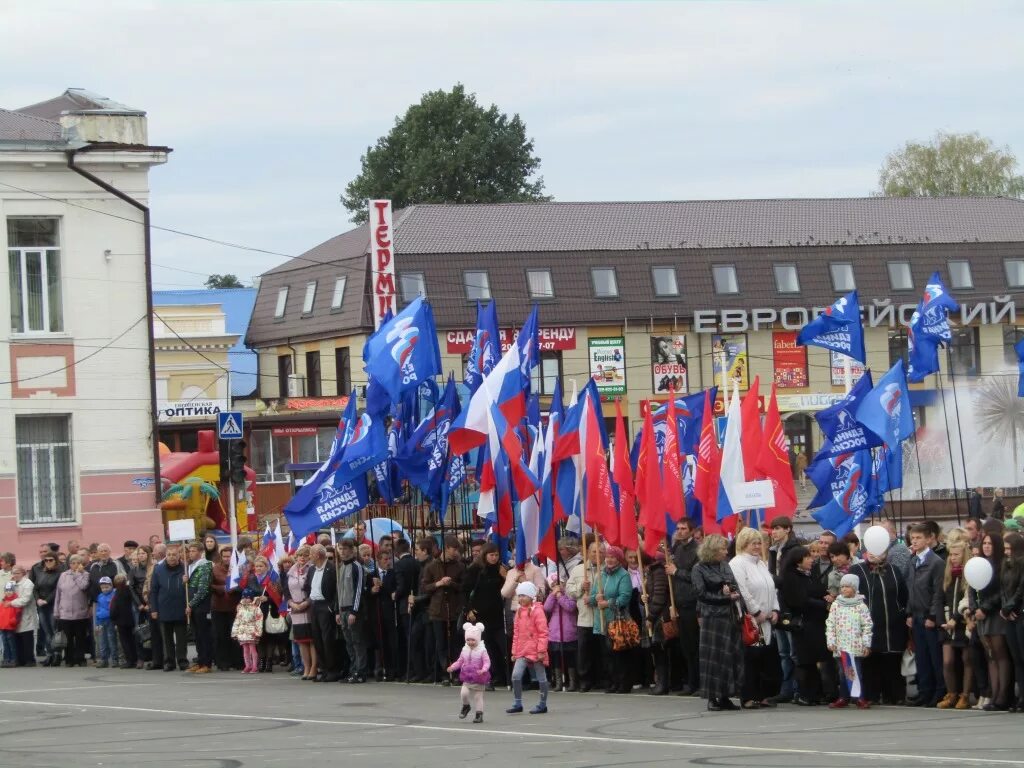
x=659 y=287
x=615 y=282
x=282 y=302
x=422 y=278
x=787 y=266
x=910 y=274
x=309 y=298
x=853 y=276
x=339 y=293
x=969 y=285
x=551 y=284
x=44 y=252
x=735 y=279
x=52 y=517
x=483 y=289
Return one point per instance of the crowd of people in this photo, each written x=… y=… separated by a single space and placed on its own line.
x=765 y=618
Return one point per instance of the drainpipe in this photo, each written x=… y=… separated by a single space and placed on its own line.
x=148 y=254
x=295 y=362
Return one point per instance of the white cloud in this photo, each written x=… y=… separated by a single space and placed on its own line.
x=269 y=105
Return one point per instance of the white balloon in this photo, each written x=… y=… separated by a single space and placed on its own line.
x=978 y=572
x=876 y=540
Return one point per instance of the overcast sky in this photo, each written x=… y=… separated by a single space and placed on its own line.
x=268 y=106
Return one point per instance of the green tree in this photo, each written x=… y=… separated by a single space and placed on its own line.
x=223 y=281
x=951 y=164
x=448 y=149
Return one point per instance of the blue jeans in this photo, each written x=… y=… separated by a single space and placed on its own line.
x=10 y=655
x=787 y=656
x=45 y=633
x=539 y=673
x=928 y=657
x=106 y=633
x=297 y=657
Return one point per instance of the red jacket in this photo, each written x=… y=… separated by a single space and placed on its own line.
x=530 y=638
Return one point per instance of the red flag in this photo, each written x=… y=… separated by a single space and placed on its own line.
x=652 y=504
x=600 y=507
x=709 y=467
x=773 y=461
x=672 y=473
x=623 y=476
x=752 y=437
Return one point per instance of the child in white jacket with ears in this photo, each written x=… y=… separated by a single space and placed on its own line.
x=848 y=635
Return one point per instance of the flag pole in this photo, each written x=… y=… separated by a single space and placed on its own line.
x=959 y=427
x=673 y=613
x=949 y=445
x=643 y=591
x=920 y=476
x=847 y=373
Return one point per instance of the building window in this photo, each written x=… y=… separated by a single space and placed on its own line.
x=900 y=277
x=724 y=276
x=309 y=298
x=842 y=278
x=544 y=376
x=282 y=300
x=963 y=352
x=897 y=347
x=313 y=388
x=269 y=454
x=478 y=286
x=33 y=252
x=665 y=283
x=342 y=371
x=413 y=285
x=284 y=371
x=339 y=293
x=786 y=278
x=606 y=286
x=1015 y=273
x=1011 y=335
x=45 y=483
x=540 y=284
x=960 y=275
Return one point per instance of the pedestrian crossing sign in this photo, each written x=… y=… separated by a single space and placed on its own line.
x=229 y=425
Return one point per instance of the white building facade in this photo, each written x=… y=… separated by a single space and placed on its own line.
x=77 y=423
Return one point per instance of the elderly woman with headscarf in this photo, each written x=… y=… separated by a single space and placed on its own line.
x=721 y=645
x=761 y=666
x=610 y=595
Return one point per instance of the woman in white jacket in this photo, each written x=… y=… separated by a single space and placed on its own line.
x=762 y=671
x=28 y=623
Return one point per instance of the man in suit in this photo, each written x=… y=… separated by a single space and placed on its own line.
x=407 y=579
x=386 y=669
x=322 y=587
x=926 y=609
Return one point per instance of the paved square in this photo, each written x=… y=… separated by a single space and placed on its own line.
x=84 y=717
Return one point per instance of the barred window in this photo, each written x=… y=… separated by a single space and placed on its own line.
x=45 y=482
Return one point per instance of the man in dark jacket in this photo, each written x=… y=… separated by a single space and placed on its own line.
x=442 y=581
x=926 y=613
x=223 y=602
x=407 y=579
x=684 y=557
x=974 y=505
x=322 y=587
x=783 y=541
x=167 y=606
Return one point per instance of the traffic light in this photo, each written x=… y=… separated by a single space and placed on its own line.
x=237 y=461
x=224 y=448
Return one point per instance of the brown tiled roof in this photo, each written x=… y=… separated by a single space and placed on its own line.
x=443 y=241
x=15 y=126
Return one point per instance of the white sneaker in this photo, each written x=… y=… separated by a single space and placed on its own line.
x=982 y=701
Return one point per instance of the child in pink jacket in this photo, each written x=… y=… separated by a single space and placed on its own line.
x=474 y=667
x=529 y=648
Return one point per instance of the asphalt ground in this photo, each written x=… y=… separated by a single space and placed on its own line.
x=62 y=718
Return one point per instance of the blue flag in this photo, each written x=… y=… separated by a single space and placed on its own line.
x=838 y=328
x=840 y=425
x=849 y=491
x=377 y=398
x=421 y=459
x=689 y=417
x=1019 y=349
x=885 y=410
x=929 y=329
x=404 y=352
x=486 y=349
x=529 y=349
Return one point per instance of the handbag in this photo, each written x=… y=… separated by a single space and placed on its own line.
x=669 y=629
x=908 y=664
x=59 y=641
x=275 y=625
x=791 y=623
x=144 y=635
x=623 y=632
x=751 y=631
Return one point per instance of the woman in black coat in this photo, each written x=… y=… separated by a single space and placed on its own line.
x=481 y=586
x=807 y=601
x=886 y=591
